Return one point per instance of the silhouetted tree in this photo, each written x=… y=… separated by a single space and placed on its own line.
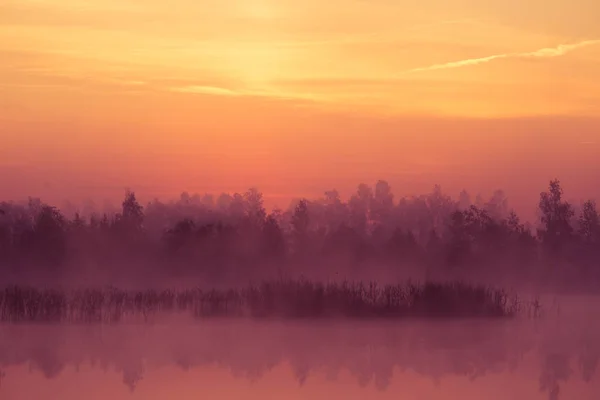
x=589 y=223
x=459 y=239
x=300 y=227
x=131 y=219
x=441 y=207
x=254 y=206
x=556 y=217
x=359 y=206
x=274 y=240
x=403 y=246
x=589 y=237
x=497 y=206
x=48 y=238
x=464 y=200
x=382 y=203
x=180 y=235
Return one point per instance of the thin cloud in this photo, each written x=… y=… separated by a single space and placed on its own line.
x=133 y=83
x=266 y=93
x=461 y=21
x=547 y=52
x=559 y=50
x=212 y=90
x=461 y=63
x=32 y=85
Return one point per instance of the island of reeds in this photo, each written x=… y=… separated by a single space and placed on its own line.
x=278 y=299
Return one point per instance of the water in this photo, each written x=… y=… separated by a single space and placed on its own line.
x=176 y=358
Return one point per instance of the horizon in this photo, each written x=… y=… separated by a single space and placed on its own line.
x=88 y=206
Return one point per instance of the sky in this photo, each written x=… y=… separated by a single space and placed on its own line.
x=297 y=97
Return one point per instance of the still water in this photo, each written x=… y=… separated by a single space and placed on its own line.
x=550 y=358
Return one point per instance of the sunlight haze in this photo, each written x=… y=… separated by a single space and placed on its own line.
x=296 y=97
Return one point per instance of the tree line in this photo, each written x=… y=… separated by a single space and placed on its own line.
x=234 y=237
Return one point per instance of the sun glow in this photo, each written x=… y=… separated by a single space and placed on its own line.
x=259 y=9
x=284 y=92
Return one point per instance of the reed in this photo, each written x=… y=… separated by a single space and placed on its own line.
x=276 y=299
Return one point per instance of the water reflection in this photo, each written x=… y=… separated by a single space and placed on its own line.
x=373 y=353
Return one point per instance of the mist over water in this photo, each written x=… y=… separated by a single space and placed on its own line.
x=422 y=297
x=551 y=358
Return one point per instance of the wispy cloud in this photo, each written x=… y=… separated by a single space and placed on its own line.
x=246 y=92
x=460 y=21
x=547 y=52
x=212 y=90
x=132 y=83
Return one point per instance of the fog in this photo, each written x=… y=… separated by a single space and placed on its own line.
x=553 y=357
x=231 y=239
x=422 y=297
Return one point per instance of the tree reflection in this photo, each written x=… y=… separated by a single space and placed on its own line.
x=371 y=353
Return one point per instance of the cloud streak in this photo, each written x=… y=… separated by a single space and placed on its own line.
x=257 y=92
x=210 y=90
x=547 y=52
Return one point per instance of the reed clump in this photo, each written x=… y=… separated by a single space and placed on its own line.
x=277 y=299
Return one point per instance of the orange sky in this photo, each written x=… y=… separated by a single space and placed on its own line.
x=296 y=97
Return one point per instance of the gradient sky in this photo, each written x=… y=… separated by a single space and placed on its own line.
x=296 y=97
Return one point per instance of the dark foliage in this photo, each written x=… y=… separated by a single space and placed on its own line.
x=281 y=299
x=234 y=240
